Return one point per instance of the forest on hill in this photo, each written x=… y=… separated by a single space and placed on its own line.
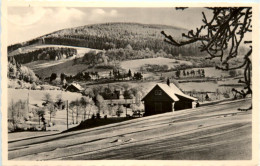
x=115 y=36
x=44 y=54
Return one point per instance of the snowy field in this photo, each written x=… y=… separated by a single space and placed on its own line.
x=134 y=65
x=217 y=132
x=37 y=96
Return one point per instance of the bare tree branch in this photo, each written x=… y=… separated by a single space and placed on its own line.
x=221 y=37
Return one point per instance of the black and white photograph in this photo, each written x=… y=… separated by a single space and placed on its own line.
x=129 y=83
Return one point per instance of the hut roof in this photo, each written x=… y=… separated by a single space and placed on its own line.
x=76 y=85
x=173 y=92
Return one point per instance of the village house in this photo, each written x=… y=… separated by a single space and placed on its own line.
x=74 y=87
x=167 y=98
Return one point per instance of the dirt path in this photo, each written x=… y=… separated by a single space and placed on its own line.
x=212 y=132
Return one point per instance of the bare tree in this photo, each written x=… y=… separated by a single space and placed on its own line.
x=73 y=104
x=85 y=103
x=51 y=110
x=47 y=99
x=17 y=113
x=59 y=101
x=40 y=112
x=101 y=104
x=221 y=37
x=49 y=104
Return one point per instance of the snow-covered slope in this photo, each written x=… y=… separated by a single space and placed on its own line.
x=206 y=133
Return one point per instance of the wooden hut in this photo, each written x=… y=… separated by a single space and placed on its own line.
x=166 y=98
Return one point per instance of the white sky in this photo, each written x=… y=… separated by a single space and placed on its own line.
x=25 y=23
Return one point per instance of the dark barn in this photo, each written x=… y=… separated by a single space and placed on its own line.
x=166 y=98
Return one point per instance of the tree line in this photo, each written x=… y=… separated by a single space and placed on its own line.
x=19 y=45
x=17 y=71
x=105 y=43
x=112 y=56
x=115 y=74
x=190 y=73
x=49 y=53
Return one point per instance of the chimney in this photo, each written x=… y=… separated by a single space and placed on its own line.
x=168 y=81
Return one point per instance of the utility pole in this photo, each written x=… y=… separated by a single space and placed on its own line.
x=67 y=114
x=28 y=100
x=125 y=108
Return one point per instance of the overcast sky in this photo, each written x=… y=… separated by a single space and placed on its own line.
x=25 y=23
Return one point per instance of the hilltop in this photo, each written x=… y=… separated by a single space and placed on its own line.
x=114 y=35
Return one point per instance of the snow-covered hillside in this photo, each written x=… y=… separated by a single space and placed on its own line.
x=217 y=132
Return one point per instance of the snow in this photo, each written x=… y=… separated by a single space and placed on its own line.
x=174 y=89
x=46 y=63
x=134 y=65
x=217 y=132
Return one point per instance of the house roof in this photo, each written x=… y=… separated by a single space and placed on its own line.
x=76 y=85
x=169 y=91
x=173 y=91
x=177 y=91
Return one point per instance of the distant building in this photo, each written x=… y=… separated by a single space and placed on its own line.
x=116 y=94
x=167 y=98
x=117 y=98
x=74 y=87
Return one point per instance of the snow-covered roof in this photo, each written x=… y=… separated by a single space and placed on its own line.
x=169 y=91
x=177 y=91
x=173 y=91
x=77 y=86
